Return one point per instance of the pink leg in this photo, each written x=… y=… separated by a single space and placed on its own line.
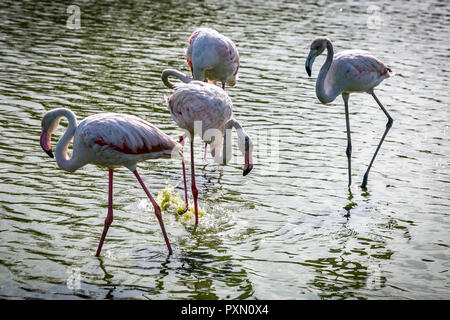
x=109 y=218
x=194 y=187
x=223 y=85
x=157 y=210
x=184 y=174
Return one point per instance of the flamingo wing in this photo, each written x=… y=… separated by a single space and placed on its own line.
x=357 y=70
x=208 y=49
x=190 y=47
x=229 y=55
x=124 y=134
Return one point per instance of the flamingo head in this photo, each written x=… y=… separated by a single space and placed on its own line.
x=231 y=81
x=317 y=47
x=244 y=143
x=49 y=124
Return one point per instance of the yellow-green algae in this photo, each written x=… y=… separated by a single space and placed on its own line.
x=169 y=200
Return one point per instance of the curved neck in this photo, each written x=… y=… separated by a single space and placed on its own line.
x=172 y=72
x=221 y=150
x=326 y=92
x=62 y=159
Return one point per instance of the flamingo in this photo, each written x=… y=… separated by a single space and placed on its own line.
x=346 y=72
x=196 y=101
x=212 y=56
x=108 y=140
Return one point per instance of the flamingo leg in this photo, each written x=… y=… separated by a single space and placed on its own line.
x=345 y=96
x=109 y=218
x=157 y=210
x=206 y=149
x=388 y=126
x=223 y=85
x=194 y=187
x=184 y=175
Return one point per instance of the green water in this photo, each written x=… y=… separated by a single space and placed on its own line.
x=291 y=229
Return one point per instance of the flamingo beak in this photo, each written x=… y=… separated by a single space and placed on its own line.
x=309 y=62
x=308 y=71
x=248 y=166
x=247 y=169
x=45 y=143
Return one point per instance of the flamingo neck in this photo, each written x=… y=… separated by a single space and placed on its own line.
x=172 y=72
x=62 y=158
x=325 y=90
x=221 y=150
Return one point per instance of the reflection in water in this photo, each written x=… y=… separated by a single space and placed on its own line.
x=343 y=276
x=349 y=278
x=291 y=229
x=200 y=276
x=351 y=204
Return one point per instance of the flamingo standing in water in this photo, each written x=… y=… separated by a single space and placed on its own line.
x=346 y=72
x=109 y=140
x=212 y=56
x=196 y=102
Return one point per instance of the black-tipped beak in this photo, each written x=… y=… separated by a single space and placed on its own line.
x=308 y=70
x=247 y=169
x=248 y=166
x=309 y=61
x=49 y=152
x=45 y=143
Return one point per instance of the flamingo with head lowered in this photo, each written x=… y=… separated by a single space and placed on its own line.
x=199 y=103
x=346 y=72
x=109 y=140
x=212 y=56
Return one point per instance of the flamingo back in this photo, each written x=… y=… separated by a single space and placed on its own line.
x=213 y=53
x=357 y=70
x=200 y=101
x=119 y=139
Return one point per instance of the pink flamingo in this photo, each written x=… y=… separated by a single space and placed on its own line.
x=212 y=56
x=346 y=72
x=200 y=102
x=109 y=140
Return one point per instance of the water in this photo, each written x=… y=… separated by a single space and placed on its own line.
x=289 y=230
